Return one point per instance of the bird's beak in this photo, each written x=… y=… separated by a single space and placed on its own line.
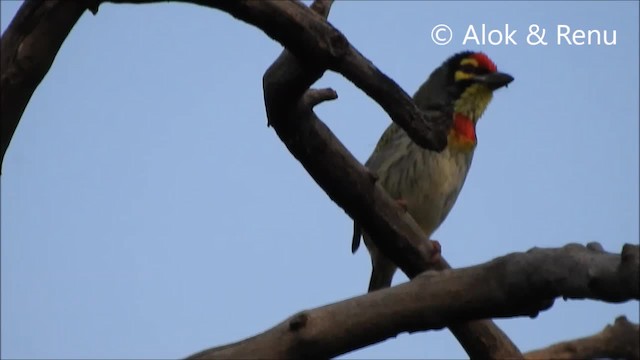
x=494 y=80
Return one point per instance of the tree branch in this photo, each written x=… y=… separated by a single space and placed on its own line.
x=617 y=341
x=317 y=44
x=32 y=40
x=309 y=36
x=28 y=47
x=518 y=284
x=355 y=189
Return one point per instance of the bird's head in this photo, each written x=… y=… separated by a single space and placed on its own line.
x=465 y=83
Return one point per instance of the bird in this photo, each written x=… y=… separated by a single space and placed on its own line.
x=427 y=183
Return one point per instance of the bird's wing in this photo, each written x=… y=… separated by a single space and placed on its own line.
x=385 y=140
x=379 y=159
x=387 y=150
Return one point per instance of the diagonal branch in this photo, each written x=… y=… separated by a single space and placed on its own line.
x=28 y=47
x=518 y=284
x=352 y=187
x=32 y=40
x=318 y=44
x=617 y=341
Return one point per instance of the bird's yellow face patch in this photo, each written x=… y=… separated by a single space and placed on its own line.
x=468 y=69
x=474 y=64
x=469 y=61
x=461 y=74
x=473 y=101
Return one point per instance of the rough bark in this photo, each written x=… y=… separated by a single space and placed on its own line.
x=321 y=47
x=352 y=187
x=32 y=40
x=617 y=341
x=28 y=47
x=518 y=284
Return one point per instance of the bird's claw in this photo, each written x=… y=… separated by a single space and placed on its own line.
x=436 y=251
x=403 y=204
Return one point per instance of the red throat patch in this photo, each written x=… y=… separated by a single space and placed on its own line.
x=464 y=129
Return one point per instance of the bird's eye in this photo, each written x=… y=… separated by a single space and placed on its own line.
x=469 y=69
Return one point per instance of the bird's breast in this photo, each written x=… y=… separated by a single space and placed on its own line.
x=434 y=185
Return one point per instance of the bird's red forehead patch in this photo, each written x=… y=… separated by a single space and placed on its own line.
x=484 y=61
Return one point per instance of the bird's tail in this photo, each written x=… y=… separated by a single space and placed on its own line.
x=382 y=269
x=355 y=241
x=381 y=277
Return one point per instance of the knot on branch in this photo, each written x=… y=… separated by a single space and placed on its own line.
x=93 y=5
x=313 y=97
x=322 y=7
x=298 y=321
x=338 y=45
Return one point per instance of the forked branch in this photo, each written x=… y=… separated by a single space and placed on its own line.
x=355 y=189
x=32 y=40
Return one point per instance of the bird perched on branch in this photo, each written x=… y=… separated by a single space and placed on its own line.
x=424 y=182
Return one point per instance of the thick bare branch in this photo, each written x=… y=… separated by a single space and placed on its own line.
x=31 y=42
x=28 y=47
x=314 y=41
x=33 y=39
x=355 y=189
x=617 y=341
x=518 y=284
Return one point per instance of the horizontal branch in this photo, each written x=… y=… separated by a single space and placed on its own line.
x=617 y=341
x=518 y=284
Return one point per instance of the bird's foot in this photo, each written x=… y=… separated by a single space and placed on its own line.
x=372 y=176
x=436 y=251
x=403 y=204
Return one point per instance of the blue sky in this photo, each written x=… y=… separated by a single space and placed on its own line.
x=148 y=211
